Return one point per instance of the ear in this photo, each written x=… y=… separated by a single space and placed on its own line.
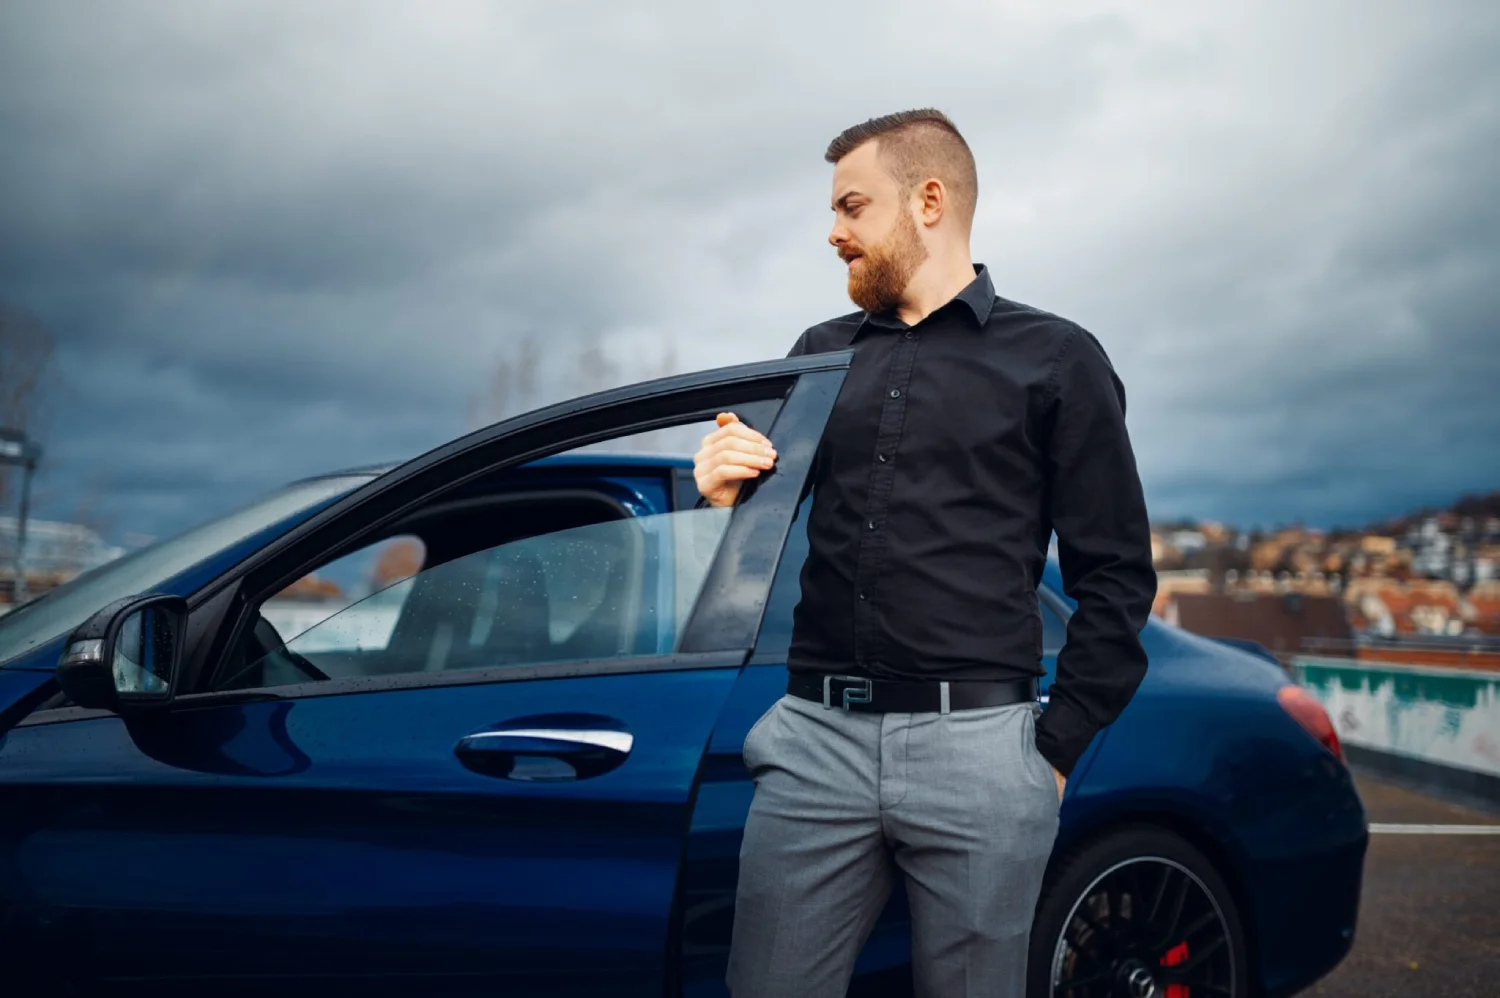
x=930 y=200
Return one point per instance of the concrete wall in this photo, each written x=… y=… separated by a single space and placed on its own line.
x=1443 y=717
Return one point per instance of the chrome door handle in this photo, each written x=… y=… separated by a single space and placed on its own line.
x=544 y=754
x=514 y=738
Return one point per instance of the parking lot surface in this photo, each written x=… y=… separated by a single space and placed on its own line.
x=1430 y=910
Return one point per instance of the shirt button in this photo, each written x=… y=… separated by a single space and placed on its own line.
x=895 y=393
x=880 y=458
x=910 y=335
x=861 y=595
x=871 y=524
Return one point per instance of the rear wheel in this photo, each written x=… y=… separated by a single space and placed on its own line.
x=1139 y=913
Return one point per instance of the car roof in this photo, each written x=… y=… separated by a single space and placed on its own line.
x=624 y=460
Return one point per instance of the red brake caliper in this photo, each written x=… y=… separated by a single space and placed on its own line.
x=1177 y=954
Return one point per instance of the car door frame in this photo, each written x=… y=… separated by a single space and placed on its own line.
x=787 y=396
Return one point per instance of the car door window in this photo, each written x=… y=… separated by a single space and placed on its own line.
x=619 y=588
x=775 y=638
x=602 y=562
x=382 y=570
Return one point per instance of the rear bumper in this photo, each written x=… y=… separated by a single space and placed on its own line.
x=1306 y=905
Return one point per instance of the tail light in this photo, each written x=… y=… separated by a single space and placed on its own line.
x=1308 y=712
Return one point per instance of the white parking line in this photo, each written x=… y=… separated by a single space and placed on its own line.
x=1377 y=828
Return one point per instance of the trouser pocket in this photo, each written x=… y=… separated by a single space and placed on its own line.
x=1036 y=762
x=749 y=750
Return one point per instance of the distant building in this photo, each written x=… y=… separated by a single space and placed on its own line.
x=1482 y=609
x=1487 y=563
x=1432 y=548
x=314 y=588
x=1187 y=541
x=55 y=552
x=401 y=559
x=1287 y=624
x=1171 y=583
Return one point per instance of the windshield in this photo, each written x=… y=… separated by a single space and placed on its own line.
x=64 y=608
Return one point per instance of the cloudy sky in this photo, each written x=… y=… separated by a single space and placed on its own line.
x=273 y=239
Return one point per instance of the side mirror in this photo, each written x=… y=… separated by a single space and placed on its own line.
x=126 y=654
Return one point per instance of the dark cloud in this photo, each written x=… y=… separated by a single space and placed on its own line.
x=275 y=239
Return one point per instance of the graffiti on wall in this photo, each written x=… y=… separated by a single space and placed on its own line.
x=1443 y=716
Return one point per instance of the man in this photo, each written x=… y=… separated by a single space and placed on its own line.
x=969 y=429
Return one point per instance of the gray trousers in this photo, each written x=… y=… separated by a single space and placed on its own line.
x=962 y=804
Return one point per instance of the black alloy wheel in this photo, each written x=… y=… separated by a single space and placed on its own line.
x=1139 y=913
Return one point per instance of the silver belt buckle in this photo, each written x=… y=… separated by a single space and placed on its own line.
x=861 y=691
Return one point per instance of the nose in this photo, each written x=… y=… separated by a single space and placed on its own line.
x=838 y=235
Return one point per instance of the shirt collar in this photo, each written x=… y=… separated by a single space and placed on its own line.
x=978 y=295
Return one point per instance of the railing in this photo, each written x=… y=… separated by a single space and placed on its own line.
x=1433 y=651
x=1421 y=642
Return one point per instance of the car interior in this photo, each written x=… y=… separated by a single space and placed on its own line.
x=481 y=597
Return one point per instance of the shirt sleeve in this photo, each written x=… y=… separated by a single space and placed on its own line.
x=1098 y=511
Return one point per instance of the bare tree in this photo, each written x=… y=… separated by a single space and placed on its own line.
x=668 y=439
x=596 y=371
x=90 y=511
x=512 y=388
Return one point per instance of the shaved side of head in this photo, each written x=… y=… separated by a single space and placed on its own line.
x=916 y=146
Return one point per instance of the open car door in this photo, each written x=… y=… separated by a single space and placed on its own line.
x=483 y=791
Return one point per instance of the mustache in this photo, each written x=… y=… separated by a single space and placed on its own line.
x=848 y=253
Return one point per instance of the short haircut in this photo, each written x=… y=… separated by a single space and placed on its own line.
x=916 y=145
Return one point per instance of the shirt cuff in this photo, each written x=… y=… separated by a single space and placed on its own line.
x=1062 y=736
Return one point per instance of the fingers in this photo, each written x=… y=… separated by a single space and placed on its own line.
x=730 y=454
x=737 y=458
x=734 y=451
x=735 y=430
x=713 y=466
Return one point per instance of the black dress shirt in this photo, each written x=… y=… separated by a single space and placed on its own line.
x=955 y=449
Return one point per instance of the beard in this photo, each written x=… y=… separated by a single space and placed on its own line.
x=887 y=268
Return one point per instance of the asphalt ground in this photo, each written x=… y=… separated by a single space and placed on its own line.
x=1429 y=917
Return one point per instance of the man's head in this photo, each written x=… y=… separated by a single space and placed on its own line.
x=904 y=189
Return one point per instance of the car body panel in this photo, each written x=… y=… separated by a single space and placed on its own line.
x=335 y=838
x=1205 y=749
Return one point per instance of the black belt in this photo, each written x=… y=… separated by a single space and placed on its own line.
x=908 y=697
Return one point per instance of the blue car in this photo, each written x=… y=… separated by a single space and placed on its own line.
x=514 y=766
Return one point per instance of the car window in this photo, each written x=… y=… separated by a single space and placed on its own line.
x=618 y=588
x=1054 y=630
x=385 y=567
x=775 y=638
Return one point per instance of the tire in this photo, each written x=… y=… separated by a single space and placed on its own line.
x=1184 y=939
